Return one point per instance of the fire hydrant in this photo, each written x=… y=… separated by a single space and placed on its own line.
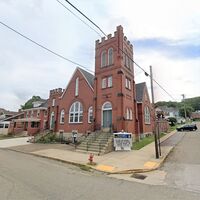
x=91 y=156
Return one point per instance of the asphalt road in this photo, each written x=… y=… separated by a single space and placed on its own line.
x=183 y=164
x=27 y=177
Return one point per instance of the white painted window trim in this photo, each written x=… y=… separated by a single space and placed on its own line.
x=103 y=83
x=110 y=56
x=103 y=58
x=73 y=112
x=52 y=114
x=53 y=102
x=126 y=84
x=147 y=119
x=129 y=84
x=127 y=114
x=90 y=114
x=62 y=116
x=130 y=114
x=77 y=86
x=103 y=109
x=110 y=81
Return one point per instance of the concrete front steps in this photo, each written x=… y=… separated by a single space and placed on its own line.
x=97 y=143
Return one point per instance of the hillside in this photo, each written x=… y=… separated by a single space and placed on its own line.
x=191 y=104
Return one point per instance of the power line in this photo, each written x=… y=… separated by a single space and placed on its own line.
x=78 y=17
x=86 y=17
x=164 y=89
x=146 y=73
x=43 y=47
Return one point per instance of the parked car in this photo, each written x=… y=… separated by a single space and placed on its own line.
x=187 y=127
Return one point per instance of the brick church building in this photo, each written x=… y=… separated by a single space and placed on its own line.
x=106 y=100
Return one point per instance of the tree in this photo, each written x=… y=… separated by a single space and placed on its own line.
x=167 y=103
x=193 y=102
x=172 y=121
x=29 y=103
x=189 y=110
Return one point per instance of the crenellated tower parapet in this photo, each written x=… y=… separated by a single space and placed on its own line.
x=56 y=92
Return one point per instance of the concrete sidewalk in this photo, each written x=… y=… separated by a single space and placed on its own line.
x=115 y=162
x=11 y=142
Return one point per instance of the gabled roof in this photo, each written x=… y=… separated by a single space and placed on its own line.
x=44 y=104
x=140 y=91
x=7 y=112
x=13 y=117
x=89 y=77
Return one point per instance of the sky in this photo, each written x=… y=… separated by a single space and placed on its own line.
x=165 y=34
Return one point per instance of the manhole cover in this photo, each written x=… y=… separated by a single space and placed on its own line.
x=138 y=176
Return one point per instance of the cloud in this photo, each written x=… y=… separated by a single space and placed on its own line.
x=158 y=19
x=165 y=34
x=174 y=49
x=177 y=77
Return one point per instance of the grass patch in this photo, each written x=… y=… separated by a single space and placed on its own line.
x=172 y=128
x=145 y=141
x=85 y=168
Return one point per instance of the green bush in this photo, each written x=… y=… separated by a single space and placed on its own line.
x=49 y=138
x=172 y=121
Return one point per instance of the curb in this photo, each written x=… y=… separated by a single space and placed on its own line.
x=131 y=171
x=51 y=158
x=128 y=171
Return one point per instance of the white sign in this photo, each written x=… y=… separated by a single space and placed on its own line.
x=122 y=141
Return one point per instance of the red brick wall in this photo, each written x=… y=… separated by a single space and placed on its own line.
x=195 y=115
x=85 y=96
x=120 y=97
x=54 y=94
x=42 y=116
x=145 y=128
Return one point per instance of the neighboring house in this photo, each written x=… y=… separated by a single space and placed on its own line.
x=5 y=124
x=144 y=107
x=6 y=113
x=34 y=120
x=105 y=100
x=4 y=127
x=168 y=111
x=195 y=115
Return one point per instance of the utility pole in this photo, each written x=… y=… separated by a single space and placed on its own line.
x=183 y=95
x=154 y=127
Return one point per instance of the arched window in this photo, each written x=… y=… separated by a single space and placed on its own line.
x=110 y=56
x=147 y=115
x=107 y=106
x=90 y=114
x=76 y=113
x=106 y=120
x=62 y=116
x=103 y=59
